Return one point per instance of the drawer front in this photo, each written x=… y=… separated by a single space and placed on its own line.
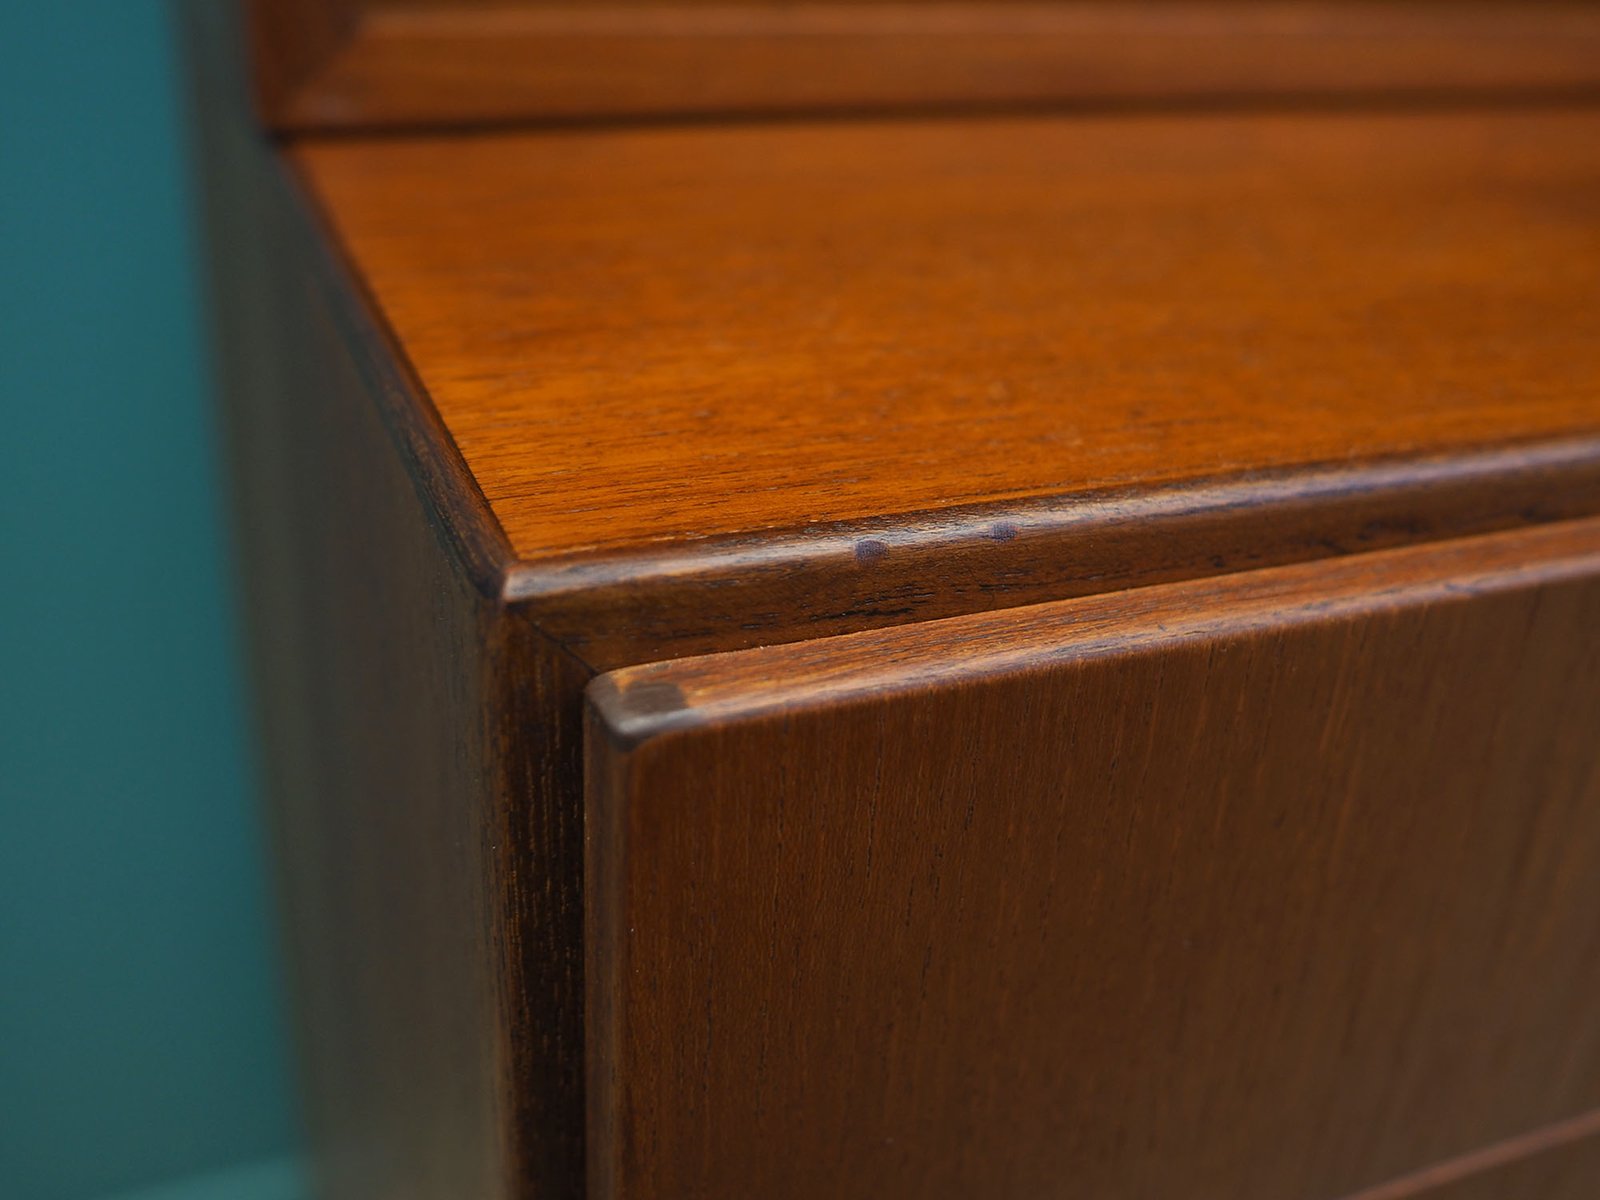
x=1283 y=884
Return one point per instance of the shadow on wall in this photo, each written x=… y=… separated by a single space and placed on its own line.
x=140 y=1032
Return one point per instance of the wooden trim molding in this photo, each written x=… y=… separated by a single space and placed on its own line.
x=348 y=64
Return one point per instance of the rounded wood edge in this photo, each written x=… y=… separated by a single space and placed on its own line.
x=637 y=705
x=619 y=608
x=444 y=482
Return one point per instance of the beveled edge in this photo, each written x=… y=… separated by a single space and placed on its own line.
x=616 y=607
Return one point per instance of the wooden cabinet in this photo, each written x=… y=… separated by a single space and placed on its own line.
x=817 y=637
x=1239 y=886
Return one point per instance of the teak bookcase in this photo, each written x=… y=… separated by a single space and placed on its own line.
x=924 y=599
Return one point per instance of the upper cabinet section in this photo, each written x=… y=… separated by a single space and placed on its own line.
x=372 y=64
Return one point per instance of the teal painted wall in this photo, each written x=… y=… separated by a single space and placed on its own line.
x=140 y=1018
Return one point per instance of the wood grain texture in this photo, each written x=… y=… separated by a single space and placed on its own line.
x=617 y=396
x=448 y=63
x=420 y=736
x=696 y=597
x=1278 y=884
x=663 y=336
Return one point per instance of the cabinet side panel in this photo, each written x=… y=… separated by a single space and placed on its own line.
x=368 y=655
x=420 y=739
x=1283 y=884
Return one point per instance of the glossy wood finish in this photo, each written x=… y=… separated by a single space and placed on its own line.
x=639 y=338
x=439 y=62
x=695 y=597
x=1276 y=884
x=444 y=1067
x=509 y=410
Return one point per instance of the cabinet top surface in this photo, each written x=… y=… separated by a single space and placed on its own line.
x=650 y=335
